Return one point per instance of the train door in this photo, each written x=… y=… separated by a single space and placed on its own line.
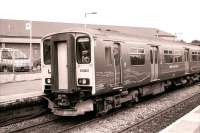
x=63 y=62
x=186 y=56
x=154 y=62
x=117 y=63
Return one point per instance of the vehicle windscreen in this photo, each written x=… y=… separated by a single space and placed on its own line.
x=83 y=50
x=20 y=55
x=47 y=51
x=6 y=55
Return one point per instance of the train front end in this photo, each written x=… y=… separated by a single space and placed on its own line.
x=68 y=73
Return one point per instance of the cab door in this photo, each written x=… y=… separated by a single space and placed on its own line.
x=63 y=62
x=117 y=63
x=154 y=62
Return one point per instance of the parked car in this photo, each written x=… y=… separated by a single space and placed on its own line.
x=13 y=58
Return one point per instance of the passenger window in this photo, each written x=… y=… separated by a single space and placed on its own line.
x=168 y=56
x=156 y=56
x=137 y=57
x=151 y=56
x=178 y=57
x=116 y=55
x=6 y=55
x=194 y=56
x=133 y=50
x=108 y=58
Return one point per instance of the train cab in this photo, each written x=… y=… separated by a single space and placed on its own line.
x=68 y=69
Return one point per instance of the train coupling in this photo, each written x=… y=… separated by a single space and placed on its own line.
x=79 y=109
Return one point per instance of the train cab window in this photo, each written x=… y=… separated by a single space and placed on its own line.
x=83 y=50
x=178 y=56
x=108 y=58
x=168 y=56
x=47 y=51
x=137 y=56
x=194 y=56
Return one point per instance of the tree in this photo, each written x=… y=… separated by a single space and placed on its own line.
x=196 y=41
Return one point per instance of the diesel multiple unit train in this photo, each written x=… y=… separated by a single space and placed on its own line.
x=97 y=70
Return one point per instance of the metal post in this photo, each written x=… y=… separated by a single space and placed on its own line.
x=30 y=53
x=13 y=61
x=85 y=21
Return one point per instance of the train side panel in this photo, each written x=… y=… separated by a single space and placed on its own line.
x=136 y=64
x=195 y=60
x=169 y=68
x=104 y=72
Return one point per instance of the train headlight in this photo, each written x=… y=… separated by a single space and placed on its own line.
x=48 y=80
x=83 y=81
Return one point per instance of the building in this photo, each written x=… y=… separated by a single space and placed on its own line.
x=14 y=34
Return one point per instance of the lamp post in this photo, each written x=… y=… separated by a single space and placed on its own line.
x=87 y=13
x=29 y=27
x=176 y=35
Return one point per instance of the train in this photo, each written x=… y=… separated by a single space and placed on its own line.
x=97 y=70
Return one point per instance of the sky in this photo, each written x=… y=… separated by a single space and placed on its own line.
x=178 y=17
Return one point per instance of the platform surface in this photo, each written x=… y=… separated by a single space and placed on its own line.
x=189 y=123
x=10 y=92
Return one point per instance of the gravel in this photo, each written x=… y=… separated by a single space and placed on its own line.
x=167 y=117
x=27 y=123
x=138 y=112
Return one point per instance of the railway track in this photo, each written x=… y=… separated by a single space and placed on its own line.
x=139 y=126
x=21 y=118
x=38 y=125
x=21 y=110
x=19 y=114
x=66 y=125
x=69 y=124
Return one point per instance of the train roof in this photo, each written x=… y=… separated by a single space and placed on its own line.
x=122 y=36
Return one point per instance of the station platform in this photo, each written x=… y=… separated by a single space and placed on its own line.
x=16 y=92
x=189 y=123
x=9 y=77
